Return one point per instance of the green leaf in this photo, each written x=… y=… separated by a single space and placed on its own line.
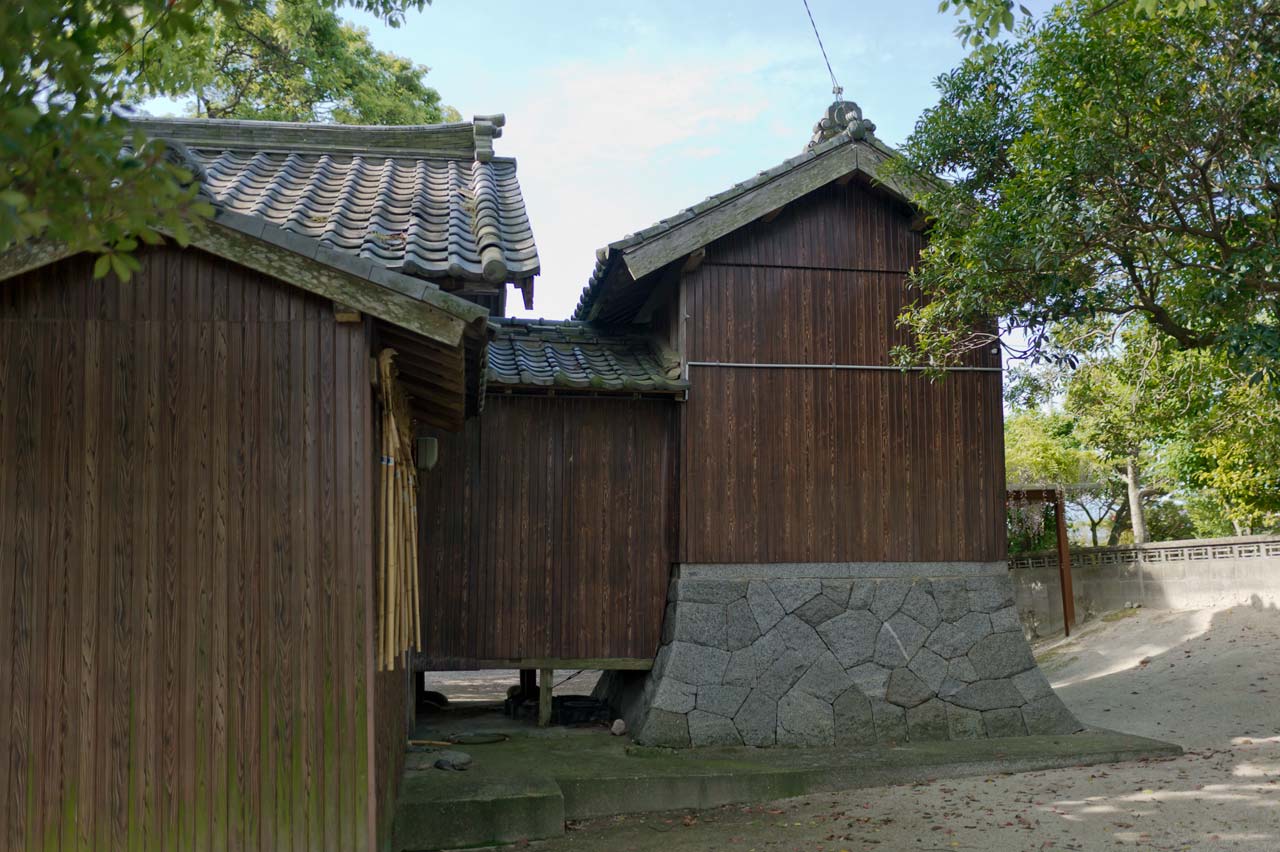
x=119 y=266
x=102 y=266
x=14 y=199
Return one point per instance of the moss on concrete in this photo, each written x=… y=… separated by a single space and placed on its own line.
x=1120 y=614
x=526 y=787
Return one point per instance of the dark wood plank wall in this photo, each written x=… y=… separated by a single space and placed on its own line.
x=564 y=546
x=803 y=465
x=185 y=562
x=391 y=729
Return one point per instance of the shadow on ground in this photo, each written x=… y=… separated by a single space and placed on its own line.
x=1209 y=681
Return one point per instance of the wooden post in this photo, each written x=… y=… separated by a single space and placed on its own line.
x=1064 y=565
x=545 y=678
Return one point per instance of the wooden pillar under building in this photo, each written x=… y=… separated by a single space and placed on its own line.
x=1064 y=565
x=528 y=683
x=545 y=682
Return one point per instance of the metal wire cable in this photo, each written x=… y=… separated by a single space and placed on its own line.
x=836 y=88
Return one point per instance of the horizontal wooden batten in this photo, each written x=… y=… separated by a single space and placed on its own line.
x=428 y=662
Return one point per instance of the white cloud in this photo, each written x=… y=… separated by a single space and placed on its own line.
x=607 y=148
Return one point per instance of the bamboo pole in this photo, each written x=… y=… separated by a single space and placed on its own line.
x=383 y=507
x=417 y=600
x=394 y=527
x=401 y=619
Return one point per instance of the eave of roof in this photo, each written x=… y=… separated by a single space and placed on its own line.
x=640 y=254
x=410 y=303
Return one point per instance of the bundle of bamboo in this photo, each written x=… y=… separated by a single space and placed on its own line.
x=400 y=624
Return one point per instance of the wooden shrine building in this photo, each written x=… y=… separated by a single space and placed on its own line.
x=714 y=481
x=218 y=551
x=190 y=528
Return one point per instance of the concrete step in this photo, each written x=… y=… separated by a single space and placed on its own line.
x=525 y=788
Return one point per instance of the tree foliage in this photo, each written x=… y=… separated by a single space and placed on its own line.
x=286 y=60
x=1107 y=166
x=982 y=21
x=1043 y=450
x=68 y=69
x=1178 y=441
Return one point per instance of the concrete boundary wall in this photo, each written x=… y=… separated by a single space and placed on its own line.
x=1166 y=575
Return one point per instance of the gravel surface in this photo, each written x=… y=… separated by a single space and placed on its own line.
x=1207 y=680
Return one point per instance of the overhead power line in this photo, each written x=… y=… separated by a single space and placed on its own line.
x=836 y=88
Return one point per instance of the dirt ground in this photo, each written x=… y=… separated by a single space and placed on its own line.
x=1209 y=681
x=491 y=684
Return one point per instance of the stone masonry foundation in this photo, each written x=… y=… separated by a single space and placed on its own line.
x=838 y=654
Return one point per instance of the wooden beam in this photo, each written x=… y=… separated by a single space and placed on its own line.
x=562 y=663
x=432 y=387
x=694 y=260
x=450 y=420
x=664 y=290
x=434 y=358
x=345 y=313
x=773 y=214
x=1064 y=564
x=546 y=679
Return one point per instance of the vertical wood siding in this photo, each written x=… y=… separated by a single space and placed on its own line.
x=796 y=465
x=185 y=563
x=546 y=532
x=391 y=729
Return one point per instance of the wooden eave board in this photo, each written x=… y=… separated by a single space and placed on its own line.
x=742 y=208
x=434 y=376
x=410 y=303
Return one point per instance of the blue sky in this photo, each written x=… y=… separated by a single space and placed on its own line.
x=623 y=113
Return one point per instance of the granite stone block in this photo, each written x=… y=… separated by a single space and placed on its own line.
x=709 y=729
x=851 y=636
x=764 y=605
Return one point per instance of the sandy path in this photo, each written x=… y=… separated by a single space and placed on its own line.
x=1209 y=681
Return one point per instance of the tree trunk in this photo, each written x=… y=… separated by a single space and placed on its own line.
x=1119 y=524
x=1137 y=517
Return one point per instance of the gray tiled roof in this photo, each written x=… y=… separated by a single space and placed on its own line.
x=573 y=355
x=431 y=201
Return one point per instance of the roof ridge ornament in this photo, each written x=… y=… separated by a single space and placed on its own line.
x=487 y=129
x=842 y=118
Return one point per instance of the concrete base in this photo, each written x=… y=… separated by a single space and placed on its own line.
x=849 y=654
x=525 y=789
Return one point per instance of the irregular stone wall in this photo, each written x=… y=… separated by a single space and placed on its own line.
x=838 y=654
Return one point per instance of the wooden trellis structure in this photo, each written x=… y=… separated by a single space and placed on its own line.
x=1054 y=496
